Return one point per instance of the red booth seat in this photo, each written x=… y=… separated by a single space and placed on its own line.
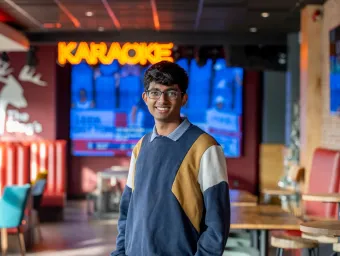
x=50 y=156
x=14 y=164
x=21 y=162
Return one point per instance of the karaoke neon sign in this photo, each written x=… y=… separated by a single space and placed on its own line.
x=128 y=53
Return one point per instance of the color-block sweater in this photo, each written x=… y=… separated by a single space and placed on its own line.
x=176 y=201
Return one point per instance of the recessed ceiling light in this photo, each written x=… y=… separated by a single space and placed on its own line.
x=101 y=29
x=253 y=29
x=89 y=14
x=265 y=14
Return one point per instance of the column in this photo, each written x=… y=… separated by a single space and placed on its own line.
x=310 y=85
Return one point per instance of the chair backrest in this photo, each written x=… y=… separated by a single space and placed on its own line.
x=296 y=173
x=13 y=204
x=324 y=178
x=39 y=187
x=37 y=192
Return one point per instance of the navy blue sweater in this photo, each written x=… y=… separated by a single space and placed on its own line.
x=176 y=202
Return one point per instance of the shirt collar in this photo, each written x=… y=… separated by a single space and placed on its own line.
x=176 y=134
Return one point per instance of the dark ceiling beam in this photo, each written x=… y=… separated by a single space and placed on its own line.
x=177 y=37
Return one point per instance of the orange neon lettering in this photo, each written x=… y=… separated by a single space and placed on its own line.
x=165 y=52
x=64 y=52
x=114 y=52
x=83 y=53
x=128 y=53
x=150 y=53
x=98 y=52
x=135 y=59
x=143 y=48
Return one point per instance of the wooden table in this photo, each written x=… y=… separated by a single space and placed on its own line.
x=242 y=198
x=263 y=218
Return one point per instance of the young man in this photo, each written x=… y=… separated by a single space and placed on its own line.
x=176 y=201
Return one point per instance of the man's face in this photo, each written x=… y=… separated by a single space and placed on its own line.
x=166 y=107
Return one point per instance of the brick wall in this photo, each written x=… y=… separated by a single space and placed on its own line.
x=330 y=137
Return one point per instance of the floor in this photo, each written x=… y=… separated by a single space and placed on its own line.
x=81 y=235
x=78 y=235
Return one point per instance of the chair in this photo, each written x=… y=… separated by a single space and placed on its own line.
x=324 y=178
x=38 y=188
x=296 y=176
x=12 y=207
x=290 y=242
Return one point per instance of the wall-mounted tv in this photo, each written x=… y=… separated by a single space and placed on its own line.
x=334 y=78
x=108 y=115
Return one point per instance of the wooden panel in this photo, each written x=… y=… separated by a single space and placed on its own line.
x=310 y=86
x=271 y=165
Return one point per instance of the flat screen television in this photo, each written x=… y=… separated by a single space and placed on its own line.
x=108 y=115
x=334 y=71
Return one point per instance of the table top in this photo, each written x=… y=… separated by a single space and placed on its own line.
x=321 y=228
x=263 y=217
x=121 y=172
x=322 y=197
x=242 y=198
x=278 y=192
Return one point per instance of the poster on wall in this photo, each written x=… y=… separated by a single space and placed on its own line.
x=15 y=122
x=334 y=79
x=108 y=115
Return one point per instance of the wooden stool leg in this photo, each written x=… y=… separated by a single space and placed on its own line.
x=279 y=252
x=310 y=252
x=37 y=223
x=21 y=242
x=4 y=241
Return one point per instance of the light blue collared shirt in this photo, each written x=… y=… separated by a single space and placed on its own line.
x=176 y=134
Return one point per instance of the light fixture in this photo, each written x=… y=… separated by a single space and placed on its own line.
x=101 y=29
x=265 y=14
x=253 y=29
x=89 y=14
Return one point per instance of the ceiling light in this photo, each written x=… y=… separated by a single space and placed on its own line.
x=89 y=14
x=265 y=14
x=101 y=29
x=253 y=29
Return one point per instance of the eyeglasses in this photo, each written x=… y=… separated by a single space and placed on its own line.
x=156 y=94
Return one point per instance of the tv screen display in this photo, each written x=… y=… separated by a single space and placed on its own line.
x=335 y=71
x=108 y=115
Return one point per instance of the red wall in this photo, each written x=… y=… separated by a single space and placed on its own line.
x=243 y=172
x=41 y=102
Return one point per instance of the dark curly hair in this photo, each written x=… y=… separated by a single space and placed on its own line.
x=166 y=73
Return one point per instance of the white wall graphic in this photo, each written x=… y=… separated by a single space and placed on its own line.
x=12 y=93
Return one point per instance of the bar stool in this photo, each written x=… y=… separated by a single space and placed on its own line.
x=336 y=249
x=282 y=242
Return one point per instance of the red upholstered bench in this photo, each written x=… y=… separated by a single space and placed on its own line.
x=50 y=156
